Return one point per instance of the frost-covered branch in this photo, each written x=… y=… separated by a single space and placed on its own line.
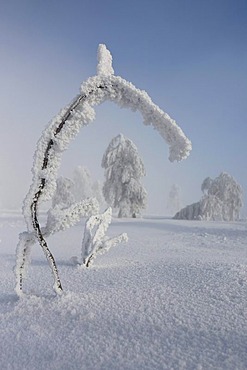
x=61 y=219
x=58 y=219
x=94 y=240
x=23 y=252
x=66 y=125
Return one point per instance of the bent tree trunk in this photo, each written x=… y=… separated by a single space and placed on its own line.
x=56 y=137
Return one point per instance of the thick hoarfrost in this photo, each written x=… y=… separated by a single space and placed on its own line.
x=66 y=125
x=48 y=154
x=62 y=219
x=104 y=67
x=58 y=219
x=125 y=94
x=95 y=241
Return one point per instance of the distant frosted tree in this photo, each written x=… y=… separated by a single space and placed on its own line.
x=66 y=210
x=63 y=195
x=229 y=193
x=210 y=208
x=206 y=185
x=124 y=168
x=81 y=188
x=82 y=180
x=84 y=186
x=222 y=200
x=190 y=212
x=98 y=193
x=174 y=199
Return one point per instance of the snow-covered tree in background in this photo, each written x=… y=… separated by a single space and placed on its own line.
x=207 y=182
x=63 y=195
x=98 y=193
x=80 y=188
x=190 y=212
x=56 y=138
x=85 y=187
x=174 y=199
x=82 y=183
x=229 y=195
x=124 y=169
x=222 y=200
x=66 y=209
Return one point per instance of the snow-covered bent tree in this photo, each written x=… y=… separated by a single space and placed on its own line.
x=124 y=168
x=63 y=128
x=222 y=200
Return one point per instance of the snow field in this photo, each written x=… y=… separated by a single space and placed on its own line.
x=173 y=297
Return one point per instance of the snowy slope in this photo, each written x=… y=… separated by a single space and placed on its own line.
x=173 y=297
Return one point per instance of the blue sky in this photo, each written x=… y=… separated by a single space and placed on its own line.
x=190 y=56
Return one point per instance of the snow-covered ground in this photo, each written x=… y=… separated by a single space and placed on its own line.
x=173 y=297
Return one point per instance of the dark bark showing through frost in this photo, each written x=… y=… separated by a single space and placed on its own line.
x=179 y=149
x=34 y=205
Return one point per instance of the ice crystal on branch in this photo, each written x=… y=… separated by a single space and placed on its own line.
x=104 y=67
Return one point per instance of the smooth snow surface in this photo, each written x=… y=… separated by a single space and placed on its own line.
x=173 y=297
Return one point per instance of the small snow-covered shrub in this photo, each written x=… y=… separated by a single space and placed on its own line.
x=95 y=241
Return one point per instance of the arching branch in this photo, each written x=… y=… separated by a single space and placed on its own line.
x=63 y=128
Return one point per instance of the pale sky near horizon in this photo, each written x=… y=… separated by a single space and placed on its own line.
x=190 y=57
